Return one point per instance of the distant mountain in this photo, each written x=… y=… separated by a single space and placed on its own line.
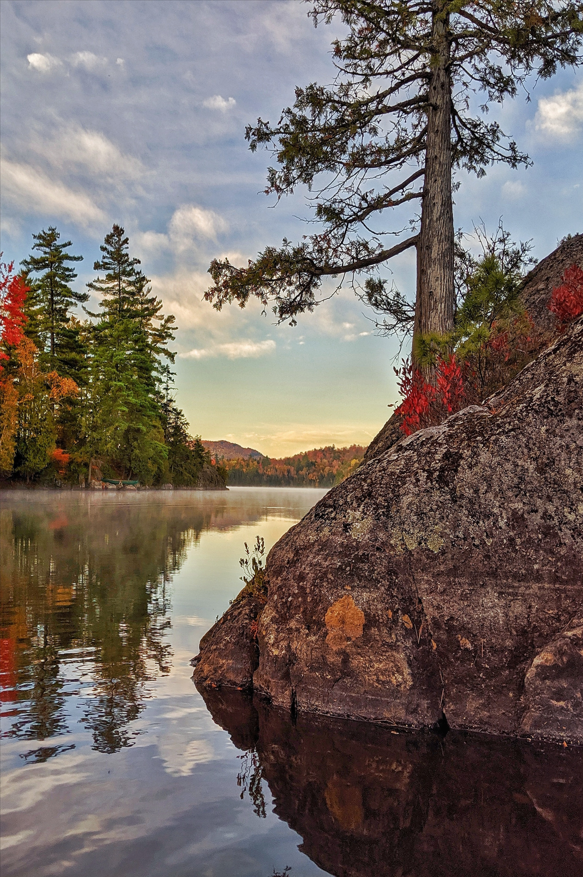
x=231 y=451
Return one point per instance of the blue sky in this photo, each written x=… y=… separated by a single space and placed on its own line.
x=134 y=112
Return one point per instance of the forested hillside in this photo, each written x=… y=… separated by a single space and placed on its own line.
x=322 y=467
x=90 y=395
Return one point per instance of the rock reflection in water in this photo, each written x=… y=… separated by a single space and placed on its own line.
x=369 y=802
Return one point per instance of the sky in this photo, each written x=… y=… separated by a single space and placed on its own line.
x=132 y=112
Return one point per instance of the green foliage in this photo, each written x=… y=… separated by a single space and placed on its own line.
x=488 y=298
x=117 y=288
x=253 y=566
x=50 y=300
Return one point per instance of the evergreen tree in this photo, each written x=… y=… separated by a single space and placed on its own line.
x=129 y=343
x=51 y=298
x=117 y=287
x=186 y=456
x=388 y=134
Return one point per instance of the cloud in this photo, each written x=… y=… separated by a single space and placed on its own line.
x=43 y=63
x=91 y=150
x=216 y=102
x=514 y=189
x=192 y=221
x=33 y=191
x=188 y=224
x=88 y=60
x=561 y=116
x=232 y=350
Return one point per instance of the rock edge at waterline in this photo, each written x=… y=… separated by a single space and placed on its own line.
x=444 y=578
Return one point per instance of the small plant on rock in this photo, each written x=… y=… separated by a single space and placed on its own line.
x=253 y=566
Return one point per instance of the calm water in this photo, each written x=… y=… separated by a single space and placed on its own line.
x=113 y=763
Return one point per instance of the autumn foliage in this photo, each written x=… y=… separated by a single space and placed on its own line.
x=471 y=373
x=61 y=460
x=322 y=467
x=425 y=402
x=13 y=292
x=567 y=299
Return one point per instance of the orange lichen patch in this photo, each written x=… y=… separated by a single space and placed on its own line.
x=344 y=802
x=344 y=621
x=545 y=658
x=465 y=643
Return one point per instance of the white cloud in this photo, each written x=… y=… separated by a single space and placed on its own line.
x=232 y=350
x=43 y=63
x=216 y=102
x=188 y=224
x=88 y=60
x=90 y=149
x=31 y=190
x=514 y=189
x=192 y=221
x=561 y=116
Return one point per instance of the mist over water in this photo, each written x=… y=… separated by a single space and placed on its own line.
x=113 y=763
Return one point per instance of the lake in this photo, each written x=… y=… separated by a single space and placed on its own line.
x=114 y=764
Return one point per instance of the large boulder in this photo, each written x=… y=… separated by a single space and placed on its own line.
x=443 y=581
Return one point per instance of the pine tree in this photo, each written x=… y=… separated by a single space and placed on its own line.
x=387 y=136
x=129 y=342
x=51 y=298
x=117 y=287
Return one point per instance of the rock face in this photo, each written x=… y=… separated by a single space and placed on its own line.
x=369 y=803
x=445 y=577
x=228 y=651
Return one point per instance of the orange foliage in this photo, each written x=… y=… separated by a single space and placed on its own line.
x=61 y=459
x=321 y=467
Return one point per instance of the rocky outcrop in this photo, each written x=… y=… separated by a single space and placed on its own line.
x=370 y=802
x=445 y=577
x=229 y=654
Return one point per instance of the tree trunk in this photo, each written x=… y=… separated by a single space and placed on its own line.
x=434 y=308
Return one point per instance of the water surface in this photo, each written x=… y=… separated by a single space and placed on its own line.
x=114 y=764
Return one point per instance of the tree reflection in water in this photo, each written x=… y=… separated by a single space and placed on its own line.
x=85 y=610
x=370 y=802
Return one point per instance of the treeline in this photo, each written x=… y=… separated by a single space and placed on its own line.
x=323 y=467
x=92 y=396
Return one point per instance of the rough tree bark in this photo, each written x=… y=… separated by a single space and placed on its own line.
x=434 y=309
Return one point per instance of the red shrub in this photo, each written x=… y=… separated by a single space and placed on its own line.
x=61 y=460
x=567 y=299
x=425 y=403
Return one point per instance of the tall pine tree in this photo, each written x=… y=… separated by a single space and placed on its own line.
x=117 y=287
x=49 y=276
x=128 y=343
